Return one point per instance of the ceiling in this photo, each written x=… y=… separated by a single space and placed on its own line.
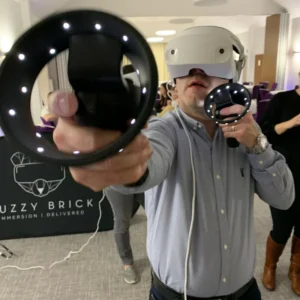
x=292 y=6
x=150 y=16
x=143 y=8
x=236 y=24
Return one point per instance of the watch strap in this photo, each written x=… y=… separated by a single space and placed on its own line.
x=259 y=147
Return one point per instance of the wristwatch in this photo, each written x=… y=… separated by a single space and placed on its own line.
x=261 y=145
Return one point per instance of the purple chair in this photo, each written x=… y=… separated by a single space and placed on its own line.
x=265 y=84
x=48 y=126
x=264 y=94
x=46 y=123
x=255 y=92
x=41 y=129
x=274 y=86
x=261 y=109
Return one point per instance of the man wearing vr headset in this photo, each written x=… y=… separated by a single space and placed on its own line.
x=220 y=250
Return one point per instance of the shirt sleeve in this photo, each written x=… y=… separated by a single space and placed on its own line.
x=162 y=138
x=274 y=181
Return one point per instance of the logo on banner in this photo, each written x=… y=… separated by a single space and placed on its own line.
x=39 y=180
x=34 y=177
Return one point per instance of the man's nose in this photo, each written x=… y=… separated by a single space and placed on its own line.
x=196 y=72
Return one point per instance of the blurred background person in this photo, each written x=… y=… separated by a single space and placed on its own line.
x=174 y=96
x=164 y=97
x=281 y=125
x=122 y=206
x=171 y=102
x=167 y=108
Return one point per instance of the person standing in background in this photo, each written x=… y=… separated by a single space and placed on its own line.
x=167 y=108
x=173 y=96
x=164 y=97
x=122 y=206
x=281 y=125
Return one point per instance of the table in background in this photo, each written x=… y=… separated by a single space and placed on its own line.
x=40 y=199
x=253 y=107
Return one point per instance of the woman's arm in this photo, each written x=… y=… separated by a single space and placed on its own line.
x=271 y=124
x=284 y=126
x=272 y=118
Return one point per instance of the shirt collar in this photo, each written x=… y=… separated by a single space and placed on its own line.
x=190 y=122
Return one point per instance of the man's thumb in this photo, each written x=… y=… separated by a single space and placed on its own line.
x=62 y=104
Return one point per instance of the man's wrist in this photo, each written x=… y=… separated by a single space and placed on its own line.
x=260 y=146
x=141 y=181
x=253 y=142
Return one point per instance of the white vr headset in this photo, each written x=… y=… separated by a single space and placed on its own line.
x=208 y=48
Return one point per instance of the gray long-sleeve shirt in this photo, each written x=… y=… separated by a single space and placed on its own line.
x=222 y=256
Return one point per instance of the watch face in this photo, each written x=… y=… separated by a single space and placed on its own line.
x=263 y=142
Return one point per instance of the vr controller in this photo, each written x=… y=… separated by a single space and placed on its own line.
x=97 y=42
x=224 y=96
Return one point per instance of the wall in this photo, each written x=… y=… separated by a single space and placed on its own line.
x=254 y=43
x=10 y=24
x=15 y=18
x=37 y=91
x=158 y=50
x=244 y=38
x=293 y=65
x=44 y=85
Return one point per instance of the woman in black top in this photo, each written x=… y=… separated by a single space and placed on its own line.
x=281 y=124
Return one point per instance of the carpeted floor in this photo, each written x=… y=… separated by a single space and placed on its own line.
x=96 y=273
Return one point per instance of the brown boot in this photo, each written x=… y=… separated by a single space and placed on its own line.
x=294 y=272
x=294 y=241
x=273 y=252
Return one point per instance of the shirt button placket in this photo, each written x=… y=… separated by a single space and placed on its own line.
x=223 y=231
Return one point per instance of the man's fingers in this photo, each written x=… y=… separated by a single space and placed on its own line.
x=234 y=134
x=231 y=110
x=121 y=161
x=233 y=127
x=124 y=168
x=140 y=142
x=228 y=124
x=248 y=118
x=69 y=137
x=98 y=181
x=62 y=104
